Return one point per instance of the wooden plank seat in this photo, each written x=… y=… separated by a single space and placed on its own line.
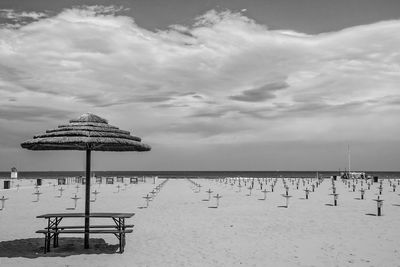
x=82 y=231
x=54 y=233
x=91 y=226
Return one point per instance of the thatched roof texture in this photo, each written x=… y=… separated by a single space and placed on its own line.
x=88 y=132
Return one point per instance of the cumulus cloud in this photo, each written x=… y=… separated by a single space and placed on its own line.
x=13 y=19
x=225 y=69
x=260 y=94
x=13 y=15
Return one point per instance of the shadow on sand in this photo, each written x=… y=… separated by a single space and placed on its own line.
x=213 y=207
x=282 y=206
x=397 y=205
x=33 y=247
x=331 y=205
x=370 y=214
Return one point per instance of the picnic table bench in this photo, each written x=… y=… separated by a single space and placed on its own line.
x=54 y=229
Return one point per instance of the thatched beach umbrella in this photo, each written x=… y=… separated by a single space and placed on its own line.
x=88 y=132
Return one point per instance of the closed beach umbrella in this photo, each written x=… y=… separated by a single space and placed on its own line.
x=89 y=133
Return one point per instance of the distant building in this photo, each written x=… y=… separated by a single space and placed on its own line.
x=14 y=173
x=353 y=175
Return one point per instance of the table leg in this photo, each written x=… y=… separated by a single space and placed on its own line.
x=58 y=222
x=55 y=224
x=123 y=242
x=47 y=236
x=48 y=242
x=55 y=234
x=45 y=243
x=123 y=234
x=120 y=224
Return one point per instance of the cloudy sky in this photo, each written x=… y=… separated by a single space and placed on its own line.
x=210 y=85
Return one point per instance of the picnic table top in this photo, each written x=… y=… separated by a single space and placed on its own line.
x=92 y=215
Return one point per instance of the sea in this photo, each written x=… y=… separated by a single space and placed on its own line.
x=194 y=174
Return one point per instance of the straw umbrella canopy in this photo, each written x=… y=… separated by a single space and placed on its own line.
x=89 y=132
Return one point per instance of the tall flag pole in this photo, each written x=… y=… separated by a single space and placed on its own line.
x=349 y=157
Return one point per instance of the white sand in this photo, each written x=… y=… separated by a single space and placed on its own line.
x=179 y=229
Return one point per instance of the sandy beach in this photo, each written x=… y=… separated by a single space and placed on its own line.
x=217 y=101
x=182 y=228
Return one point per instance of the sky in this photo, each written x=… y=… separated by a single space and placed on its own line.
x=210 y=85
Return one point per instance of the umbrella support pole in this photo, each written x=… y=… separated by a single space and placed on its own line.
x=87 y=199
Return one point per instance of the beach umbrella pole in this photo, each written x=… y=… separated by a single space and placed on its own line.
x=87 y=199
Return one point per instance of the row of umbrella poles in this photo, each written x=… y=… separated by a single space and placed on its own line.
x=87 y=133
x=315 y=184
x=310 y=182
x=37 y=193
x=196 y=187
x=354 y=185
x=272 y=182
x=378 y=200
x=263 y=183
x=152 y=195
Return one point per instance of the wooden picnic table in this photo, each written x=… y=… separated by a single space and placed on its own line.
x=53 y=229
